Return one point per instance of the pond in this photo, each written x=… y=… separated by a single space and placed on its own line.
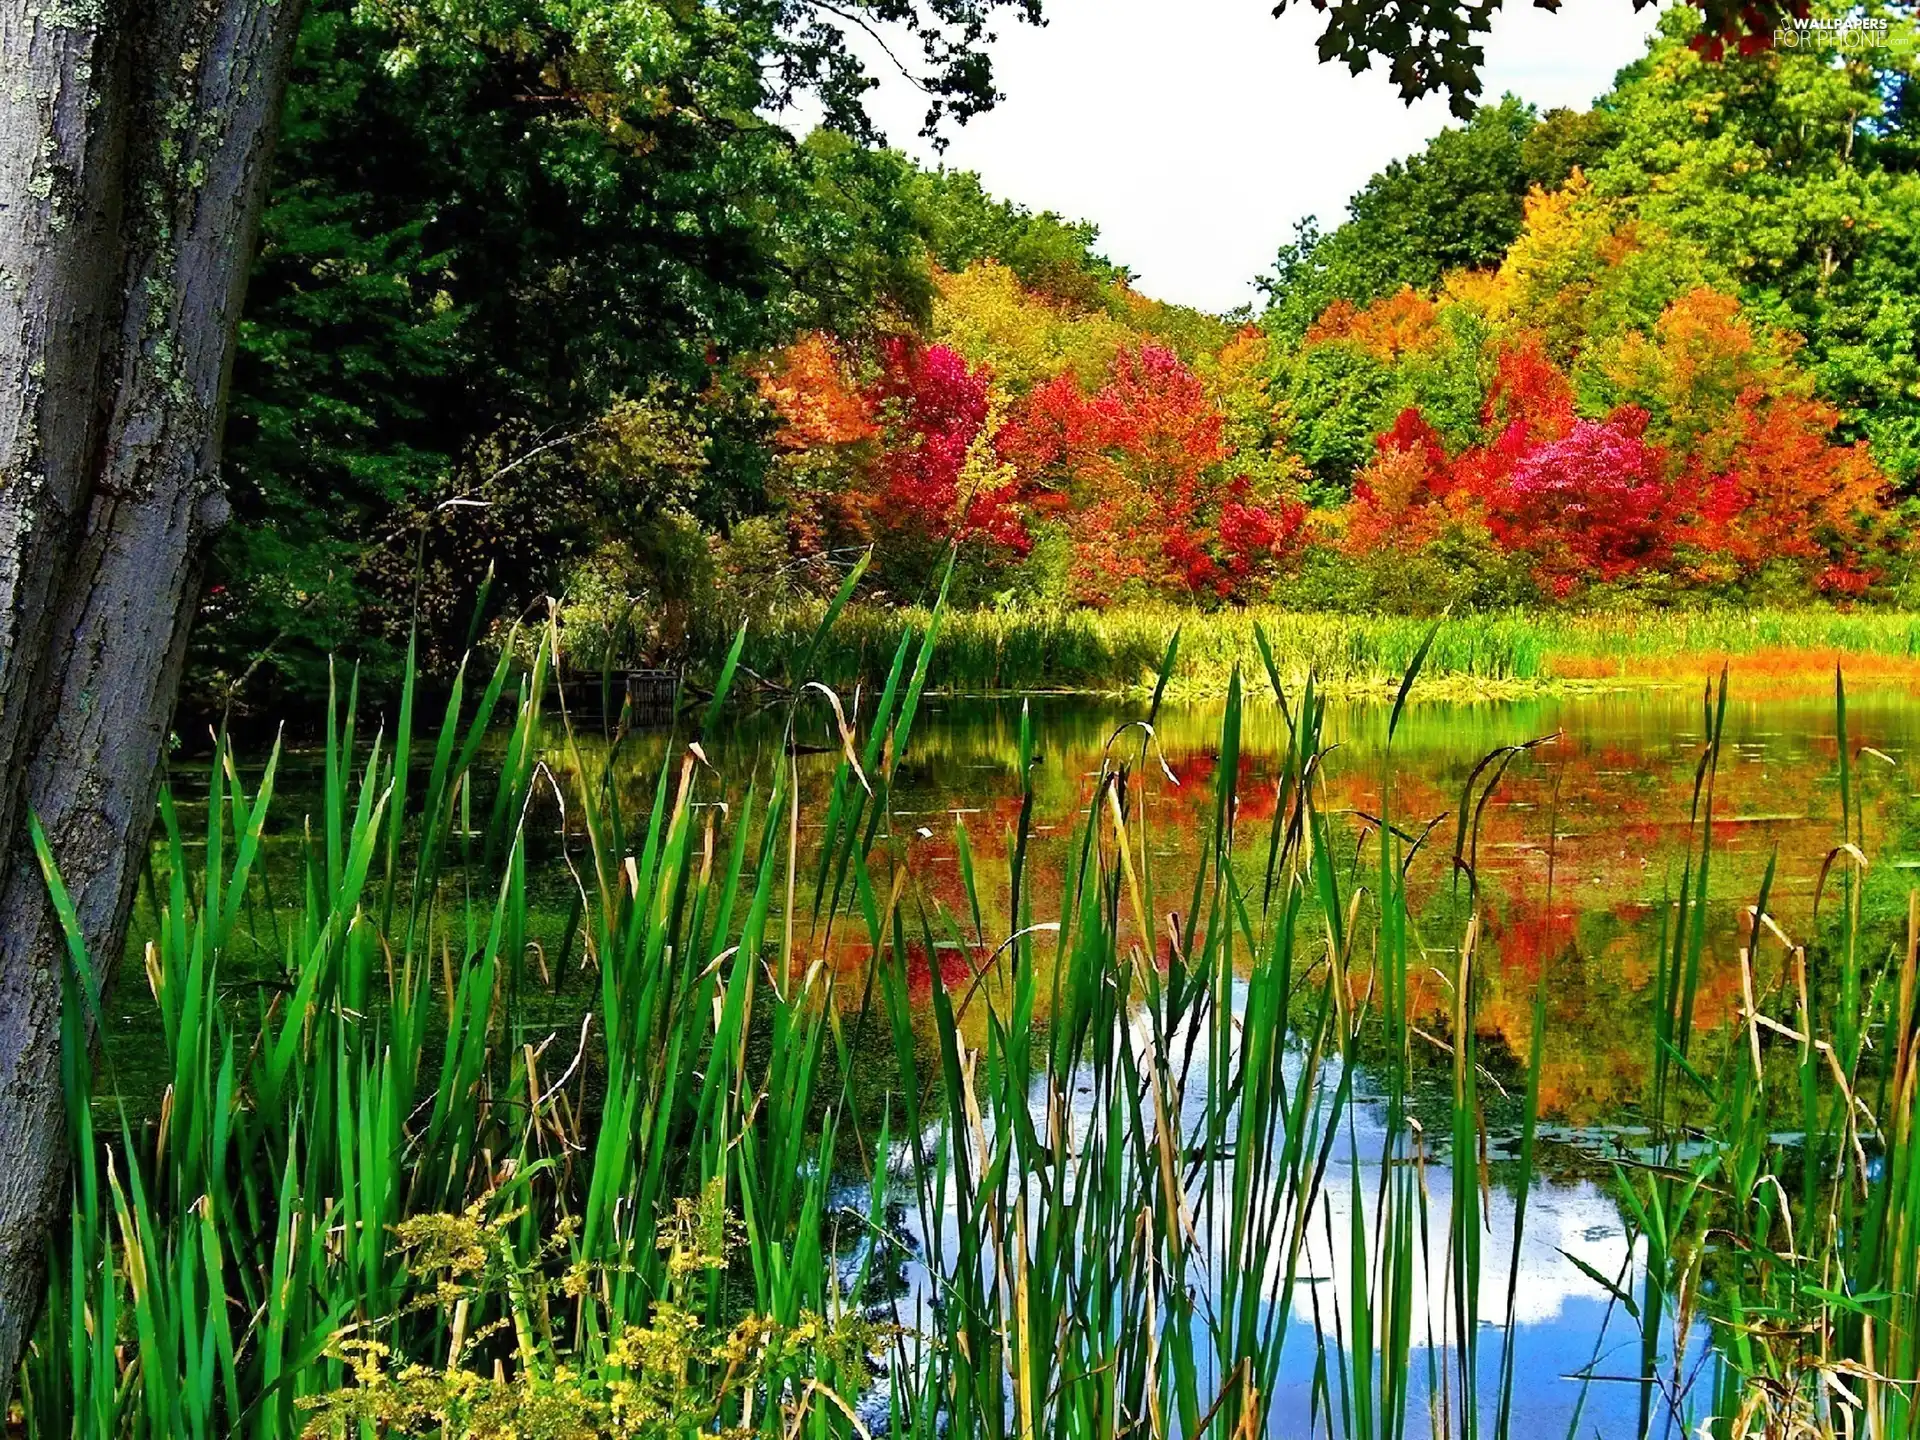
x=1575 y=846
x=1577 y=849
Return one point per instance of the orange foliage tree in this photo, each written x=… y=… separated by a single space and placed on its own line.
x=817 y=404
x=1689 y=447
x=1787 y=493
x=825 y=433
x=1403 y=323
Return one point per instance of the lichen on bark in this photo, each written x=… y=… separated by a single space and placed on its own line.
x=132 y=170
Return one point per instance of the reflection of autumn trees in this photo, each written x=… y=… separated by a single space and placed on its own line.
x=1576 y=855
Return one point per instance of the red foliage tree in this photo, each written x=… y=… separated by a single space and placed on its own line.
x=1584 y=500
x=1050 y=434
x=1529 y=404
x=1529 y=391
x=1595 y=504
x=933 y=407
x=1142 y=465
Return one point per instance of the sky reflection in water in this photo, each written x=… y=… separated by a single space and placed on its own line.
x=1578 y=853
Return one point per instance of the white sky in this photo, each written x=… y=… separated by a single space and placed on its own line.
x=1195 y=132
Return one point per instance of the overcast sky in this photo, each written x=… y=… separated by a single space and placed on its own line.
x=1195 y=132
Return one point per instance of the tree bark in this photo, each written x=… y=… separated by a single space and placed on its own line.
x=135 y=148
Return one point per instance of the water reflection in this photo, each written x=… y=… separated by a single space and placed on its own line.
x=1577 y=851
x=1577 y=855
x=1575 y=1349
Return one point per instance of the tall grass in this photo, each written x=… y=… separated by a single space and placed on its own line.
x=1118 y=650
x=385 y=1193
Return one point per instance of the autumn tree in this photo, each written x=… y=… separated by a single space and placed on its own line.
x=1691 y=449
x=1025 y=337
x=1247 y=387
x=936 y=481
x=1593 y=505
x=1783 y=174
x=1787 y=496
x=1143 y=467
x=1401 y=496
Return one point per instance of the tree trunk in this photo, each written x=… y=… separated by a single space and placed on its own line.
x=135 y=148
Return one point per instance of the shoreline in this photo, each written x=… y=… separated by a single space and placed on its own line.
x=1493 y=656
x=1459 y=689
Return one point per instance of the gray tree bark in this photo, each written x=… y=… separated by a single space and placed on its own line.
x=135 y=147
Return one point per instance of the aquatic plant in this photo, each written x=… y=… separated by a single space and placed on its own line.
x=669 y=1166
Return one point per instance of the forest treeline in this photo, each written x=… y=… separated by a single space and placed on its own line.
x=609 y=332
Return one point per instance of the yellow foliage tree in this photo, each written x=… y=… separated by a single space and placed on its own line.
x=1024 y=339
x=1691 y=368
x=1581 y=270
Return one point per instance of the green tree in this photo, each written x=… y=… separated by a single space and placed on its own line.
x=488 y=228
x=1051 y=255
x=1339 y=397
x=1564 y=141
x=1794 y=169
x=1458 y=202
x=346 y=375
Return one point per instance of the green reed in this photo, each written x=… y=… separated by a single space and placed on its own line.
x=1118 y=650
x=387 y=1191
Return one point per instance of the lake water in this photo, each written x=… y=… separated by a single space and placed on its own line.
x=1577 y=853
x=1578 y=849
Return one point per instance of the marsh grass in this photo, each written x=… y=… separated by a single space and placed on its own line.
x=1506 y=652
x=379 y=1196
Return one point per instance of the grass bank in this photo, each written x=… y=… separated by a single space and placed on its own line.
x=1512 y=652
